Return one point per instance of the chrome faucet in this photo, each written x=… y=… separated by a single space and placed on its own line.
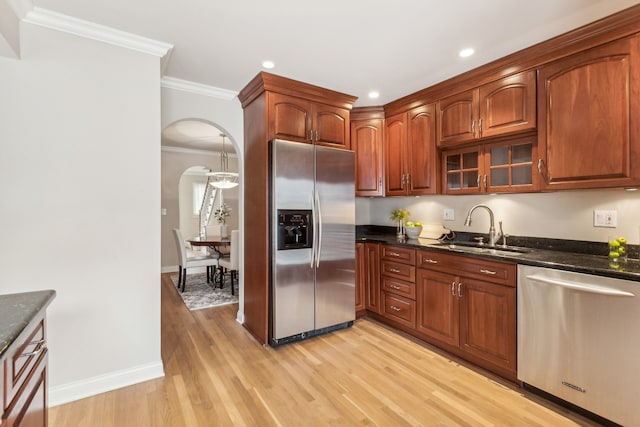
x=492 y=229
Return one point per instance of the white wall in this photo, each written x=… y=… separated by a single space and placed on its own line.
x=561 y=215
x=80 y=204
x=227 y=116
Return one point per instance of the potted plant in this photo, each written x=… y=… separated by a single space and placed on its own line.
x=221 y=215
x=400 y=215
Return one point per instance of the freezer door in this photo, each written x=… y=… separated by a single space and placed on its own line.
x=292 y=285
x=335 y=207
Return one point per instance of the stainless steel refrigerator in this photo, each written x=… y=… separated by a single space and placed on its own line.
x=312 y=235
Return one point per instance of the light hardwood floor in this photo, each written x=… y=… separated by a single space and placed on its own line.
x=217 y=374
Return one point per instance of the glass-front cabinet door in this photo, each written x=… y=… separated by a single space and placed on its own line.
x=462 y=171
x=500 y=167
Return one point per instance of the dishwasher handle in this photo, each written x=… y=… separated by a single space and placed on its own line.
x=594 y=289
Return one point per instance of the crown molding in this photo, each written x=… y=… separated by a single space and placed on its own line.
x=90 y=30
x=197 y=88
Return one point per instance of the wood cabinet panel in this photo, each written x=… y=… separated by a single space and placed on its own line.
x=410 y=152
x=437 y=306
x=504 y=106
x=398 y=270
x=508 y=105
x=361 y=276
x=367 y=143
x=589 y=135
x=400 y=254
x=399 y=309
x=291 y=118
x=488 y=322
x=331 y=126
x=457 y=115
x=422 y=158
x=372 y=253
x=399 y=287
x=394 y=155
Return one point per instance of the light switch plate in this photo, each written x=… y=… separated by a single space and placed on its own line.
x=448 y=215
x=607 y=219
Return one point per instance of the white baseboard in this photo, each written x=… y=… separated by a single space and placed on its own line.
x=76 y=390
x=169 y=269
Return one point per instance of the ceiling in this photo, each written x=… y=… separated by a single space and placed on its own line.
x=352 y=46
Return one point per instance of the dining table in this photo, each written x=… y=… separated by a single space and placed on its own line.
x=213 y=242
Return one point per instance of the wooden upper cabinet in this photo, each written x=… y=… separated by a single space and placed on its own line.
x=410 y=153
x=422 y=156
x=395 y=147
x=501 y=107
x=367 y=143
x=291 y=118
x=458 y=116
x=296 y=119
x=331 y=126
x=589 y=104
x=508 y=105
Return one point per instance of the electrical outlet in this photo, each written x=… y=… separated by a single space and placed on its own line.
x=605 y=219
x=448 y=214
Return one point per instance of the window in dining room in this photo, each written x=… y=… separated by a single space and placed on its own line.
x=198 y=194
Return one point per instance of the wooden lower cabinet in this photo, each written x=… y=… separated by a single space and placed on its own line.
x=25 y=370
x=371 y=282
x=464 y=305
x=361 y=277
x=471 y=316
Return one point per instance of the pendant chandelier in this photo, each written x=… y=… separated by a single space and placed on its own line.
x=223 y=179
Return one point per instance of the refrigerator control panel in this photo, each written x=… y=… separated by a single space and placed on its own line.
x=294 y=229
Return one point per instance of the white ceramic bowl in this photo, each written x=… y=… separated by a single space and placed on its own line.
x=413 y=232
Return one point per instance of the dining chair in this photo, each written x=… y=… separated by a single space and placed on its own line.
x=210 y=261
x=230 y=264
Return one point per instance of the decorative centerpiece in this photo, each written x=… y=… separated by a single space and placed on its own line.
x=413 y=229
x=400 y=215
x=221 y=215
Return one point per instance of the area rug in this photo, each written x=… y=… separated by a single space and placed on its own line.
x=199 y=294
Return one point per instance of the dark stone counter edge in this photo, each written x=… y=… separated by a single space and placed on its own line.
x=598 y=265
x=17 y=311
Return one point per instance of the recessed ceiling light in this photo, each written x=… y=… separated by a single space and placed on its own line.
x=466 y=52
x=374 y=94
x=268 y=64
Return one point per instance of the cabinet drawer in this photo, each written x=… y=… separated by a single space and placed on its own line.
x=399 y=309
x=398 y=271
x=20 y=363
x=503 y=273
x=399 y=287
x=398 y=254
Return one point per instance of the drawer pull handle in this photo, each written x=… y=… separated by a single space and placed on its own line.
x=40 y=346
x=430 y=261
x=394 y=254
x=488 y=272
x=394 y=270
x=394 y=308
x=394 y=287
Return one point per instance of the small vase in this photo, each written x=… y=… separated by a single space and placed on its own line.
x=400 y=229
x=224 y=231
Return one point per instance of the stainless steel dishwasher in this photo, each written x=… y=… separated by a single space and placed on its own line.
x=579 y=340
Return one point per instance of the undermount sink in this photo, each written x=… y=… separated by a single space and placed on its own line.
x=478 y=248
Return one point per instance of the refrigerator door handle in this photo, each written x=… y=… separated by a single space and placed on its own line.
x=319 y=233
x=313 y=230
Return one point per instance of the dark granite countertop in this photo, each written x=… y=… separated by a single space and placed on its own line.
x=17 y=311
x=550 y=253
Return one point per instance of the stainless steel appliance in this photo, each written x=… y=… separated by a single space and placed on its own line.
x=312 y=240
x=578 y=340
